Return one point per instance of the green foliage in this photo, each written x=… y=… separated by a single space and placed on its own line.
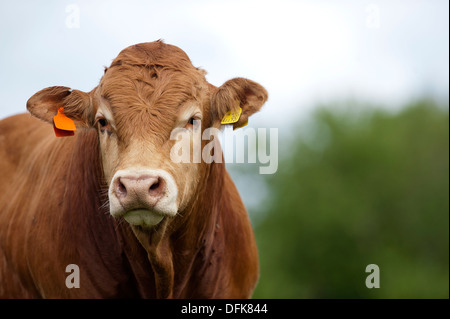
x=368 y=188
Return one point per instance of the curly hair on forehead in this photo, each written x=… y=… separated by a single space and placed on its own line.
x=155 y=54
x=146 y=85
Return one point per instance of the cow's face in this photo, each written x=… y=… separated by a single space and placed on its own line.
x=148 y=98
x=138 y=105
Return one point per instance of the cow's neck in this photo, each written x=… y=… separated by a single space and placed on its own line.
x=191 y=233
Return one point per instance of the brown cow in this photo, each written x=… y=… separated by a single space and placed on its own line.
x=111 y=201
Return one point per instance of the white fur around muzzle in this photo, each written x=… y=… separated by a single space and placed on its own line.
x=166 y=206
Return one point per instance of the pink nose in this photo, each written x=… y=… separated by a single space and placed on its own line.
x=139 y=192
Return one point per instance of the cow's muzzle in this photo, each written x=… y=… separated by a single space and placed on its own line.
x=143 y=197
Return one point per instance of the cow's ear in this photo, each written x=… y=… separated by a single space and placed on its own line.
x=77 y=105
x=235 y=93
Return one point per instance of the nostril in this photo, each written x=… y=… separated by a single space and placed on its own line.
x=121 y=189
x=157 y=188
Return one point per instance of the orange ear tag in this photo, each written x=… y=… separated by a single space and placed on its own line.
x=63 y=125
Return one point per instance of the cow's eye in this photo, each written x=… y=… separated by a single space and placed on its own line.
x=192 y=121
x=103 y=123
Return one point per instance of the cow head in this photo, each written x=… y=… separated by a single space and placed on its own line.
x=150 y=90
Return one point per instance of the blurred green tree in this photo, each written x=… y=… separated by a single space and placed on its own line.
x=367 y=188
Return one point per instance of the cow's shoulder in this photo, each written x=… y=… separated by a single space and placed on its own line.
x=19 y=134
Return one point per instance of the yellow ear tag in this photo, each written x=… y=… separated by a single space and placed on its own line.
x=241 y=126
x=232 y=116
x=63 y=125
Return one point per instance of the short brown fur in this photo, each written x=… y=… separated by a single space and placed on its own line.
x=53 y=199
